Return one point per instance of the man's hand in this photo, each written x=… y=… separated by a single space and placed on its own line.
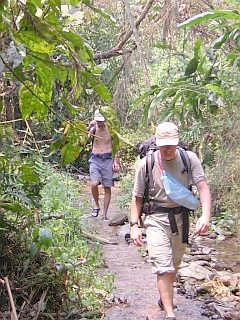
x=116 y=166
x=136 y=236
x=202 y=224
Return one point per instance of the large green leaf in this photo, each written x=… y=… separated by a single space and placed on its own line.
x=139 y=100
x=191 y=67
x=215 y=89
x=210 y=15
x=36 y=3
x=70 y=152
x=44 y=75
x=217 y=43
x=55 y=3
x=71 y=108
x=14 y=206
x=73 y=141
x=197 y=48
x=74 y=38
x=35 y=98
x=115 y=141
x=28 y=173
x=34 y=43
x=32 y=100
x=162 y=95
x=111 y=118
x=102 y=90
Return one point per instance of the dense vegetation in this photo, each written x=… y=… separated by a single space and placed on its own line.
x=140 y=63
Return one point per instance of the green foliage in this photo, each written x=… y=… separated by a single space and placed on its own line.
x=127 y=182
x=211 y=15
x=113 y=125
x=129 y=147
x=224 y=174
x=20 y=182
x=208 y=83
x=52 y=235
x=53 y=66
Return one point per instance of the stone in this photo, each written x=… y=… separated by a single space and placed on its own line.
x=118 y=219
x=226 y=280
x=220 y=238
x=195 y=271
x=197 y=257
x=207 y=250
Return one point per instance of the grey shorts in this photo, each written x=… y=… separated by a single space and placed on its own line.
x=165 y=249
x=100 y=168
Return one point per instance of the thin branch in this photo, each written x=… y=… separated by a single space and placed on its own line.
x=40 y=304
x=36 y=145
x=9 y=121
x=138 y=42
x=14 y=313
x=120 y=68
x=118 y=49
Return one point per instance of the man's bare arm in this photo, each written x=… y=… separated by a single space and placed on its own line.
x=136 y=235
x=205 y=199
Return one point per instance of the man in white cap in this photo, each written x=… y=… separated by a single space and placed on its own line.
x=166 y=247
x=101 y=163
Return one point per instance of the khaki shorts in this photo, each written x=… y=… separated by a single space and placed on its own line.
x=165 y=249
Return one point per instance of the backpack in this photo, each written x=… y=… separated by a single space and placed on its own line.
x=150 y=145
x=147 y=149
x=147 y=145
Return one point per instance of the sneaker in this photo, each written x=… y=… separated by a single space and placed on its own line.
x=160 y=304
x=95 y=212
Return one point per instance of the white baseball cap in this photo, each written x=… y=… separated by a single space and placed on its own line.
x=167 y=134
x=98 y=116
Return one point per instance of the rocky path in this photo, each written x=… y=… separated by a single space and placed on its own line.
x=136 y=293
x=135 y=296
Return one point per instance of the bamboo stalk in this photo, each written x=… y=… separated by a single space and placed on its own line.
x=15 y=317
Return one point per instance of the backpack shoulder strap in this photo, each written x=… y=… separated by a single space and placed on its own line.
x=184 y=156
x=187 y=165
x=150 y=159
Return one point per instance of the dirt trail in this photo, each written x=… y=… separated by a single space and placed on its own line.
x=136 y=293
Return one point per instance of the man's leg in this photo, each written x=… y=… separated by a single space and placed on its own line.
x=95 y=193
x=165 y=288
x=106 y=202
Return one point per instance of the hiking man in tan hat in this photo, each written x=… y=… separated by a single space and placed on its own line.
x=102 y=164
x=167 y=221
